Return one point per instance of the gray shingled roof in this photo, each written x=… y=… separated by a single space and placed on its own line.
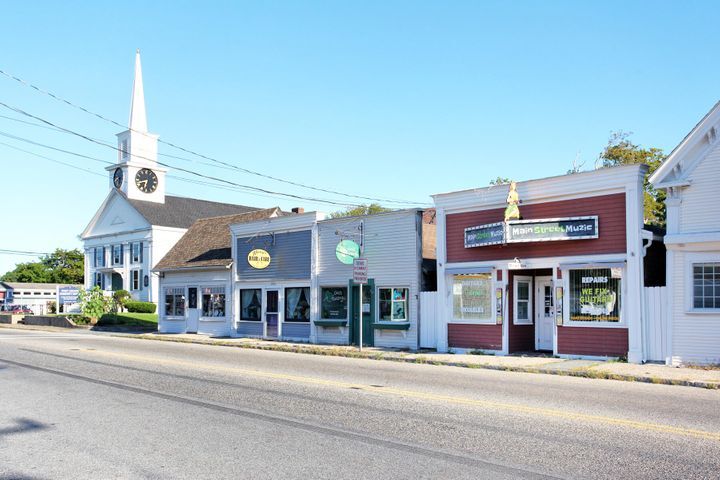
x=181 y=212
x=207 y=242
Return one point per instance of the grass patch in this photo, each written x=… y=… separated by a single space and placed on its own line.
x=149 y=320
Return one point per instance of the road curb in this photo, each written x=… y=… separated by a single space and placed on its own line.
x=585 y=372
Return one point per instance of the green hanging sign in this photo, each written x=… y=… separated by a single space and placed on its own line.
x=347 y=251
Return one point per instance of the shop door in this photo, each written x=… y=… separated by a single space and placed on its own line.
x=271 y=313
x=193 y=312
x=368 y=314
x=544 y=311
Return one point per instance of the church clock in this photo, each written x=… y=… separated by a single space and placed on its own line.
x=118 y=178
x=146 y=181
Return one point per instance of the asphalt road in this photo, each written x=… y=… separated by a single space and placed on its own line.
x=84 y=405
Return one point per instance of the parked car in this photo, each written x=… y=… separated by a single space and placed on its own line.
x=18 y=310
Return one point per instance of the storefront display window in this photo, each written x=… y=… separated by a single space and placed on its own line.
x=175 y=302
x=333 y=303
x=250 y=306
x=213 y=302
x=472 y=297
x=594 y=295
x=297 y=304
x=706 y=285
x=393 y=304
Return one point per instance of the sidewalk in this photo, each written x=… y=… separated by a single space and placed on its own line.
x=649 y=373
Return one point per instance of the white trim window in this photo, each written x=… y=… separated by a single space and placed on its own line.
x=251 y=304
x=99 y=257
x=136 y=252
x=334 y=303
x=213 y=302
x=706 y=286
x=393 y=304
x=473 y=297
x=522 y=294
x=595 y=295
x=297 y=304
x=135 y=280
x=175 y=302
x=99 y=280
x=117 y=255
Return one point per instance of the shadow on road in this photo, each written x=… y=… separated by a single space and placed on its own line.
x=22 y=425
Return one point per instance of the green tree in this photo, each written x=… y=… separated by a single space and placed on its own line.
x=61 y=266
x=501 y=181
x=360 y=210
x=93 y=303
x=29 y=272
x=620 y=150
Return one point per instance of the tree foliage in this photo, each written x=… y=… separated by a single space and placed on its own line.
x=61 y=266
x=620 y=150
x=360 y=210
x=500 y=181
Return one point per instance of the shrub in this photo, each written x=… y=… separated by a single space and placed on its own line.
x=93 y=303
x=140 y=307
x=121 y=297
x=52 y=307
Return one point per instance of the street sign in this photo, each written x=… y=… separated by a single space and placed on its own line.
x=360 y=273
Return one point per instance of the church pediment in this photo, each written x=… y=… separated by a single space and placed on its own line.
x=115 y=216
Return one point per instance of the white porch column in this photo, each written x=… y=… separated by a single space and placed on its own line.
x=442 y=287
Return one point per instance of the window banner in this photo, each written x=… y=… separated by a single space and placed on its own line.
x=594 y=296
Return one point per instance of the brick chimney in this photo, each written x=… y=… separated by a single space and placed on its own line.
x=298 y=210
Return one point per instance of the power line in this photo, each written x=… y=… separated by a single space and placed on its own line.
x=210 y=177
x=69 y=152
x=186 y=150
x=22 y=252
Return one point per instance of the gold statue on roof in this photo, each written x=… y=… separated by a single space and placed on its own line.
x=512 y=211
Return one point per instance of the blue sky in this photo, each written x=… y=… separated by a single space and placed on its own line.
x=378 y=98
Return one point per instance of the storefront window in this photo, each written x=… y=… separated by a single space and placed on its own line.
x=333 y=303
x=393 y=304
x=213 y=302
x=595 y=295
x=472 y=297
x=175 y=302
x=706 y=285
x=250 y=305
x=297 y=304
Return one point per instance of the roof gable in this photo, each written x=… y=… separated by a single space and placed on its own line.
x=181 y=212
x=115 y=215
x=208 y=241
x=690 y=151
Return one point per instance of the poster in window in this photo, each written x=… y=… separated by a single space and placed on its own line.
x=594 y=296
x=334 y=303
x=472 y=297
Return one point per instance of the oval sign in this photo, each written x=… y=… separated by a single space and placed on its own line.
x=347 y=251
x=259 y=258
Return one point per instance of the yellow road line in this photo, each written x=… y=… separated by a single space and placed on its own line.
x=639 y=425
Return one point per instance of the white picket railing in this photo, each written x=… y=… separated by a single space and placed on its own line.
x=655 y=323
x=428 y=318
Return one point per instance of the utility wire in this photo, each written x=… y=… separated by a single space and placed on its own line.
x=221 y=180
x=22 y=252
x=229 y=165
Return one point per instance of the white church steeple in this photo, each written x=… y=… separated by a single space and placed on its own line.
x=138 y=116
x=137 y=173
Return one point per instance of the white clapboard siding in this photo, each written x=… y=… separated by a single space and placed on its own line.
x=428 y=312
x=700 y=201
x=655 y=317
x=392 y=247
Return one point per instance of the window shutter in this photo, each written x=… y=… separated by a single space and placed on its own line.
x=140 y=279
x=141 y=252
x=94 y=254
x=122 y=254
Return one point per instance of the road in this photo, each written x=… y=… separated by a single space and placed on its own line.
x=86 y=405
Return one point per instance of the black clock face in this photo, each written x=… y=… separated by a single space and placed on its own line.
x=146 y=181
x=118 y=177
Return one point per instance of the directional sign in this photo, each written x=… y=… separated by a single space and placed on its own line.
x=360 y=273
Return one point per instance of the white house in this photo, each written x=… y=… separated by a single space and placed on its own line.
x=137 y=223
x=690 y=176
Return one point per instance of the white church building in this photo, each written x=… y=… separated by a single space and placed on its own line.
x=137 y=223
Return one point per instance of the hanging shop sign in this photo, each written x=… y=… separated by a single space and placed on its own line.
x=347 y=251
x=258 y=258
x=541 y=230
x=483 y=235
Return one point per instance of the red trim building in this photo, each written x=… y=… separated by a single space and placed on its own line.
x=566 y=277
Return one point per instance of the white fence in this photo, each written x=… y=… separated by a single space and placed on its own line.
x=655 y=323
x=428 y=317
